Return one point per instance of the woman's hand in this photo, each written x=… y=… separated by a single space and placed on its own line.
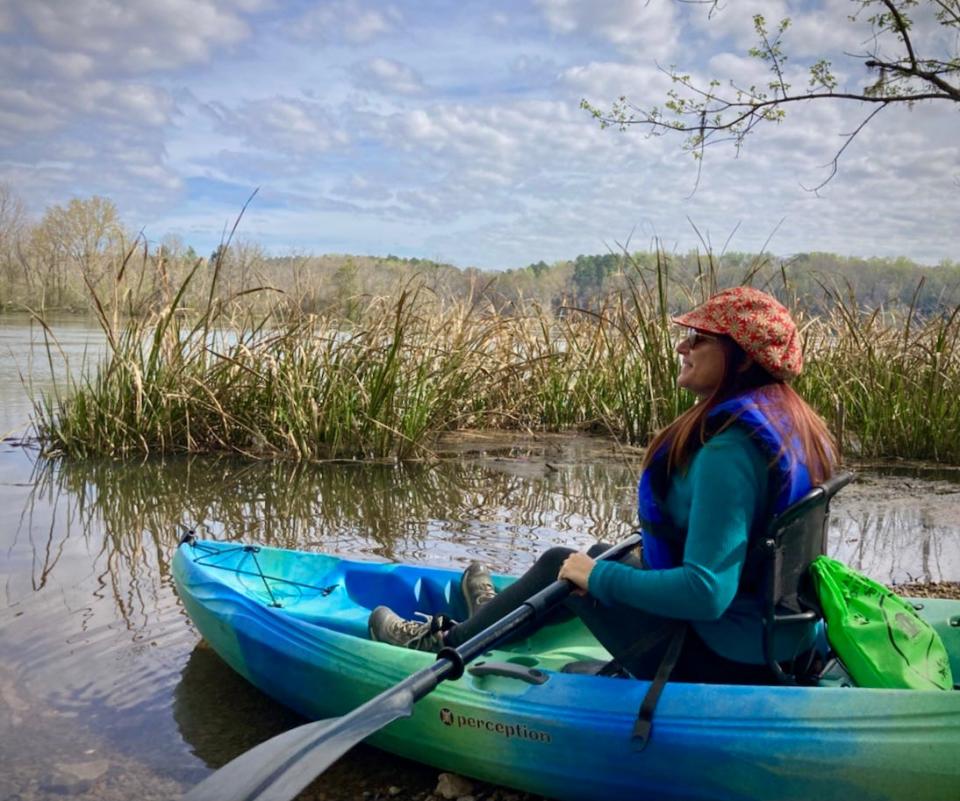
x=576 y=569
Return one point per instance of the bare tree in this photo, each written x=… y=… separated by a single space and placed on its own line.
x=912 y=56
x=13 y=224
x=85 y=237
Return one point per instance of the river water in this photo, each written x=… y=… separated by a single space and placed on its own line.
x=106 y=691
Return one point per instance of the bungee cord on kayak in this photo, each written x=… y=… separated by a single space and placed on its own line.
x=207 y=555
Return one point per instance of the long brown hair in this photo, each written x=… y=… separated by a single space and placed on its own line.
x=788 y=413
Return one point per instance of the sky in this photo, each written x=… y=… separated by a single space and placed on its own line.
x=452 y=129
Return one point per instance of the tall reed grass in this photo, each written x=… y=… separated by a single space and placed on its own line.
x=890 y=384
x=401 y=370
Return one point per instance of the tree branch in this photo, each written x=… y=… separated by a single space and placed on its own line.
x=948 y=90
x=907 y=77
x=901 y=26
x=948 y=16
x=836 y=158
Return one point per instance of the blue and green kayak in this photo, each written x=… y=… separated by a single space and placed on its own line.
x=294 y=624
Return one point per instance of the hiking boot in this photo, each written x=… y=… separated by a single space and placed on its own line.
x=476 y=587
x=385 y=625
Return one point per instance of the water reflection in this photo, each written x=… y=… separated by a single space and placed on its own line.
x=501 y=509
x=87 y=570
x=899 y=532
x=219 y=716
x=126 y=517
x=92 y=629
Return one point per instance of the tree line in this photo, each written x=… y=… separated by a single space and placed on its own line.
x=79 y=256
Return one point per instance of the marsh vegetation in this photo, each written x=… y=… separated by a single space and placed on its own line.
x=239 y=373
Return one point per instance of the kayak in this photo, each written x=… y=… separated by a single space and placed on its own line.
x=294 y=624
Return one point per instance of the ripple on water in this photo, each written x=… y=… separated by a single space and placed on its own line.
x=74 y=656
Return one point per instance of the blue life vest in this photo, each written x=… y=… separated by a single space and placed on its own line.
x=789 y=481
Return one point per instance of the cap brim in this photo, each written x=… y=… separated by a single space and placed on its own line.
x=692 y=320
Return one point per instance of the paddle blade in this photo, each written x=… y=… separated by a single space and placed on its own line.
x=278 y=769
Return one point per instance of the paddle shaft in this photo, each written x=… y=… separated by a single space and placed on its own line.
x=277 y=769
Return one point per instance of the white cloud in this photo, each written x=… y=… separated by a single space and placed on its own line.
x=524 y=136
x=87 y=93
x=156 y=175
x=389 y=77
x=644 y=28
x=280 y=125
x=91 y=105
x=25 y=112
x=30 y=63
x=138 y=35
x=731 y=24
x=365 y=25
x=462 y=161
x=140 y=105
x=346 y=21
x=744 y=71
x=830 y=30
x=603 y=82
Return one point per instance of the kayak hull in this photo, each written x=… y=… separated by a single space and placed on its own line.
x=294 y=625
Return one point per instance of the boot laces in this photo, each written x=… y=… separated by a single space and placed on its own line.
x=419 y=633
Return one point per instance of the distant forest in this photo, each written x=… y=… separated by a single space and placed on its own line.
x=809 y=280
x=80 y=255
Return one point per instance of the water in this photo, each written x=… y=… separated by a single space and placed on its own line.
x=27 y=367
x=104 y=690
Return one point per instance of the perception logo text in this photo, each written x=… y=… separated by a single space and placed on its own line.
x=508 y=730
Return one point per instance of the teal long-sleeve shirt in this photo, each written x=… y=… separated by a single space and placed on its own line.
x=716 y=500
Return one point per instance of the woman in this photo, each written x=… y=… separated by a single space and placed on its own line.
x=711 y=482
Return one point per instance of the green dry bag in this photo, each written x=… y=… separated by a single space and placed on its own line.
x=878 y=636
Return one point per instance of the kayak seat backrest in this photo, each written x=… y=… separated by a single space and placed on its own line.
x=794 y=538
x=405 y=589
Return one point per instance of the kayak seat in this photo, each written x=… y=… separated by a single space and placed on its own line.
x=794 y=538
x=405 y=589
x=354 y=591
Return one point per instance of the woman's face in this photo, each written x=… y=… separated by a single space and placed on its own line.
x=702 y=363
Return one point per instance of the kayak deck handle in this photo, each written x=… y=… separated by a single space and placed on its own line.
x=510 y=670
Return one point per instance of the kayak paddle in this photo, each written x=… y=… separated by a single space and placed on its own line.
x=279 y=768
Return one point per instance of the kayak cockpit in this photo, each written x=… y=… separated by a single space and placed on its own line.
x=339 y=594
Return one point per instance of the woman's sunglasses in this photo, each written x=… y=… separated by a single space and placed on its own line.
x=694 y=338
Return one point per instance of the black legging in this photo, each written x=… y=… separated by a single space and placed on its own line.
x=636 y=639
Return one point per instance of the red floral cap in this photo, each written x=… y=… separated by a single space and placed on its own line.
x=757 y=322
